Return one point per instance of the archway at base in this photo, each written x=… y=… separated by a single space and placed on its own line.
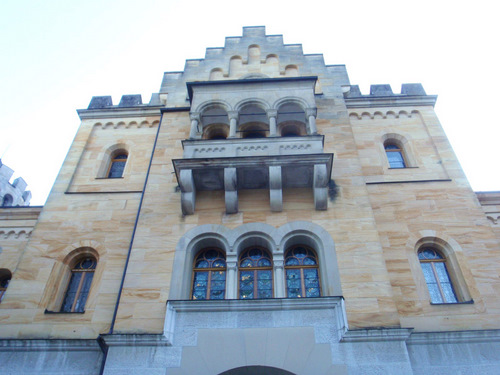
x=256 y=370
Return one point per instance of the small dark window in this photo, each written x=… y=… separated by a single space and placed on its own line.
x=256 y=274
x=5 y=277
x=7 y=200
x=209 y=275
x=117 y=166
x=436 y=276
x=79 y=286
x=395 y=156
x=301 y=272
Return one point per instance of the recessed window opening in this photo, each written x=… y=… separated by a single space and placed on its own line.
x=302 y=272
x=216 y=131
x=436 y=276
x=79 y=285
x=117 y=165
x=7 y=200
x=209 y=275
x=5 y=277
x=255 y=273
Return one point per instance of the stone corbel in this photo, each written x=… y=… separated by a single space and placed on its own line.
x=272 y=115
x=320 y=186
x=233 y=123
x=195 y=121
x=311 y=117
x=275 y=189
x=188 y=191
x=231 y=190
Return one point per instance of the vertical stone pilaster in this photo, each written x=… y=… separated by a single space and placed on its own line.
x=232 y=274
x=279 y=278
x=231 y=190
x=275 y=189
x=311 y=116
x=188 y=191
x=233 y=123
x=272 y=115
x=320 y=186
x=195 y=120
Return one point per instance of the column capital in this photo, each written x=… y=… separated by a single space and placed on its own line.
x=311 y=112
x=194 y=116
x=233 y=115
x=278 y=264
x=271 y=113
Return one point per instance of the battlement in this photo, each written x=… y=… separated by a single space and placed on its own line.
x=382 y=95
x=126 y=101
x=15 y=193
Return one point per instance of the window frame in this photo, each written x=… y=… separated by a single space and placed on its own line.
x=436 y=279
x=255 y=270
x=398 y=149
x=120 y=156
x=301 y=267
x=209 y=270
x=78 y=297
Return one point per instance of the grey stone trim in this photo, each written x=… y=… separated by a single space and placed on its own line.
x=377 y=334
x=391 y=101
x=119 y=112
x=46 y=345
x=230 y=190
x=135 y=340
x=188 y=191
x=454 y=337
x=320 y=186
x=275 y=190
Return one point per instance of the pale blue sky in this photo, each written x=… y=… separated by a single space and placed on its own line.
x=57 y=54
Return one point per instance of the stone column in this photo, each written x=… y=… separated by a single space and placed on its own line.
x=279 y=278
x=231 y=280
x=272 y=115
x=320 y=186
x=188 y=191
x=311 y=117
x=233 y=123
x=195 y=120
x=231 y=190
x=275 y=189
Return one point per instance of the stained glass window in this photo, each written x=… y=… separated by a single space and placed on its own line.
x=79 y=286
x=436 y=276
x=209 y=275
x=395 y=156
x=301 y=272
x=255 y=274
x=117 y=166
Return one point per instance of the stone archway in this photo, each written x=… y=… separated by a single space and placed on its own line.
x=256 y=370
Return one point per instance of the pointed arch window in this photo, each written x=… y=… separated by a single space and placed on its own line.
x=79 y=285
x=255 y=273
x=302 y=272
x=436 y=276
x=209 y=275
x=5 y=277
x=117 y=165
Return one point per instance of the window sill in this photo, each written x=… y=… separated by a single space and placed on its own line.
x=109 y=178
x=453 y=303
x=403 y=168
x=63 y=312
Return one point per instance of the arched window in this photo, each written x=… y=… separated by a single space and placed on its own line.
x=209 y=275
x=395 y=155
x=79 y=285
x=5 y=277
x=117 y=165
x=255 y=274
x=301 y=272
x=436 y=276
x=7 y=200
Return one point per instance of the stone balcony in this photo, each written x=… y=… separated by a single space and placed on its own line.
x=233 y=147
x=258 y=163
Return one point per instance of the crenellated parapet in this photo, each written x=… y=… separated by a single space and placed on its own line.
x=412 y=94
x=129 y=106
x=15 y=193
